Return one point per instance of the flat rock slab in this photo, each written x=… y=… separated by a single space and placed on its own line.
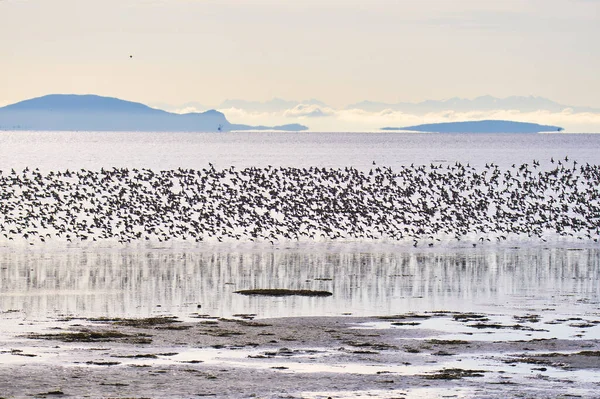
x=284 y=292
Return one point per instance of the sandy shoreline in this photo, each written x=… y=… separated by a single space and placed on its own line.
x=396 y=356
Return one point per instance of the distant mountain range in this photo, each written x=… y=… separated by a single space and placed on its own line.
x=483 y=103
x=273 y=105
x=487 y=126
x=95 y=113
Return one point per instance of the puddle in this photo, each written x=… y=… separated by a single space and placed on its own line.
x=417 y=393
x=502 y=327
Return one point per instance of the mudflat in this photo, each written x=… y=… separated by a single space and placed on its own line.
x=413 y=355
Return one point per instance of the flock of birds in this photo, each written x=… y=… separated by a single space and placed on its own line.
x=419 y=204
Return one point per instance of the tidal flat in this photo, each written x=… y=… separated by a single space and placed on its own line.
x=297 y=357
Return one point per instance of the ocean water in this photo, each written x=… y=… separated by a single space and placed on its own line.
x=161 y=151
x=366 y=277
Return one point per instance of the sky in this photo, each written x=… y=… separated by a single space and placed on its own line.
x=337 y=51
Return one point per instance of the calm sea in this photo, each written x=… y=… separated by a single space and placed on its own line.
x=75 y=150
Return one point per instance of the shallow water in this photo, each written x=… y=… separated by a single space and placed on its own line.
x=139 y=281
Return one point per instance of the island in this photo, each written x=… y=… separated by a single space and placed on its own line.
x=485 y=126
x=71 y=112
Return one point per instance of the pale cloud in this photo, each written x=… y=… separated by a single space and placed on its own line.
x=308 y=111
x=186 y=110
x=238 y=115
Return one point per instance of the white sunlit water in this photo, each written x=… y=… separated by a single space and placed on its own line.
x=94 y=282
x=366 y=278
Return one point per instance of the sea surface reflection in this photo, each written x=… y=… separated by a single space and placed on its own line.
x=116 y=282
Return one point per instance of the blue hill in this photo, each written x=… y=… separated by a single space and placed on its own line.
x=80 y=103
x=487 y=126
x=72 y=112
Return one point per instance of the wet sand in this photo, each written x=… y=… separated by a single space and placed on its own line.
x=426 y=355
